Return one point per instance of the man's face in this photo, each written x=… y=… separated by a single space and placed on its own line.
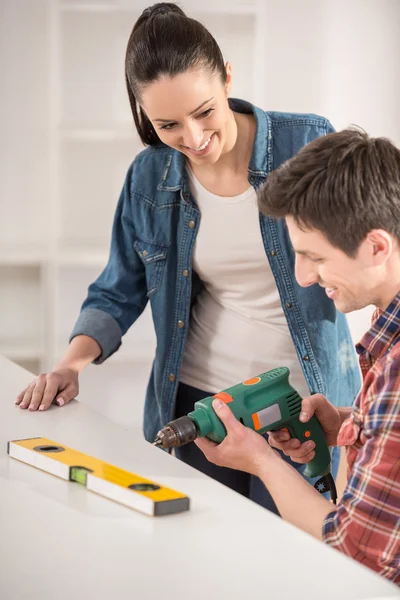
x=352 y=283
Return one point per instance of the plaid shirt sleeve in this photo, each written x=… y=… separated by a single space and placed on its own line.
x=366 y=524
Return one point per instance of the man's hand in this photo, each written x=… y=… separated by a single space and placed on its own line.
x=243 y=449
x=329 y=418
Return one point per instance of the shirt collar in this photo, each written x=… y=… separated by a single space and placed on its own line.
x=384 y=331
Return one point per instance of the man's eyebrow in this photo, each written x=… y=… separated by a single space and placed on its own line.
x=307 y=253
x=191 y=113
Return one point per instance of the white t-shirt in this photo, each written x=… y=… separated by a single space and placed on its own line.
x=238 y=328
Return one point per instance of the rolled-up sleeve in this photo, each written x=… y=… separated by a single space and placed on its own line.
x=103 y=328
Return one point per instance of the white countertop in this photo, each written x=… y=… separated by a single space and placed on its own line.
x=59 y=541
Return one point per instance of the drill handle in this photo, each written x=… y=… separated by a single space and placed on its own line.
x=321 y=463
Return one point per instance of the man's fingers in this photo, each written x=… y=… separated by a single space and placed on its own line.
x=205 y=444
x=304 y=459
x=298 y=450
x=307 y=410
x=308 y=407
x=207 y=447
x=278 y=439
x=282 y=435
x=274 y=442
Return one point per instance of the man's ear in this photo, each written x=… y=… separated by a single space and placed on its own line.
x=380 y=246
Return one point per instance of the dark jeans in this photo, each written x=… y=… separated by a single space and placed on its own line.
x=245 y=484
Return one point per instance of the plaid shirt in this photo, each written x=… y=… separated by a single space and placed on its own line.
x=366 y=524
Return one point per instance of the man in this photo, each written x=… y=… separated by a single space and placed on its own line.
x=340 y=197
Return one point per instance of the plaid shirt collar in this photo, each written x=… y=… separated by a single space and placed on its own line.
x=384 y=332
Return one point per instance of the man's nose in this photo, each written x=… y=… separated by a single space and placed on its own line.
x=305 y=274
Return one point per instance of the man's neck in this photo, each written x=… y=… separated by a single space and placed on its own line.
x=387 y=293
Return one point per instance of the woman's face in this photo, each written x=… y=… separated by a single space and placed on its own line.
x=190 y=112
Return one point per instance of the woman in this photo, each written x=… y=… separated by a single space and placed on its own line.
x=188 y=237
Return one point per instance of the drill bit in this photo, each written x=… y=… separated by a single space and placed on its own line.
x=157 y=441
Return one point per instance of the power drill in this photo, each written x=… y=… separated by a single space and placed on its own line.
x=264 y=403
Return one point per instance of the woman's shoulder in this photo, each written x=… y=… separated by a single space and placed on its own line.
x=155 y=156
x=289 y=132
x=150 y=168
x=290 y=119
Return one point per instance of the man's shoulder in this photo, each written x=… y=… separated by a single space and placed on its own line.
x=381 y=388
x=388 y=365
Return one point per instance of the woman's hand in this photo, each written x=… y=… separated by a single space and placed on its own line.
x=61 y=386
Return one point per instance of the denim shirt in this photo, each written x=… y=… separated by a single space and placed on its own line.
x=153 y=236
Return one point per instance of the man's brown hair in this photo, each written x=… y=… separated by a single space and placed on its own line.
x=344 y=184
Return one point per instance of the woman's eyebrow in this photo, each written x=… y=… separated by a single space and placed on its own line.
x=191 y=113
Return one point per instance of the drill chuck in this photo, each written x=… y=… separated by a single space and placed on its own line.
x=176 y=433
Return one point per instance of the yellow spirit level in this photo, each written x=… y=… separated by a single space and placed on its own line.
x=100 y=477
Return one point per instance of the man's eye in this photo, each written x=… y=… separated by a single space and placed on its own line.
x=316 y=260
x=206 y=113
x=168 y=126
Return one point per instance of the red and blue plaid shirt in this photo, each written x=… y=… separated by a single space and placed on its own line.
x=366 y=524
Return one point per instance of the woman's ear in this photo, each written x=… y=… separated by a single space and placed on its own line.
x=228 y=82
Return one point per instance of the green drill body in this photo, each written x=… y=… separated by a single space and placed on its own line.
x=264 y=403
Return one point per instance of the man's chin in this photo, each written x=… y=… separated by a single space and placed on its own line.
x=342 y=306
x=345 y=308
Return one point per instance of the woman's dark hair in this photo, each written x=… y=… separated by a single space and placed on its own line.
x=164 y=41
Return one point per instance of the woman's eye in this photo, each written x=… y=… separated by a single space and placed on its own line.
x=168 y=126
x=206 y=113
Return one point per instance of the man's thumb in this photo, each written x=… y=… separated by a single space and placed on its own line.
x=307 y=409
x=224 y=413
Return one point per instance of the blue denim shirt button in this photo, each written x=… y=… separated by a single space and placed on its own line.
x=171 y=377
x=181 y=324
x=192 y=224
x=185 y=273
x=273 y=253
x=306 y=357
x=289 y=305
